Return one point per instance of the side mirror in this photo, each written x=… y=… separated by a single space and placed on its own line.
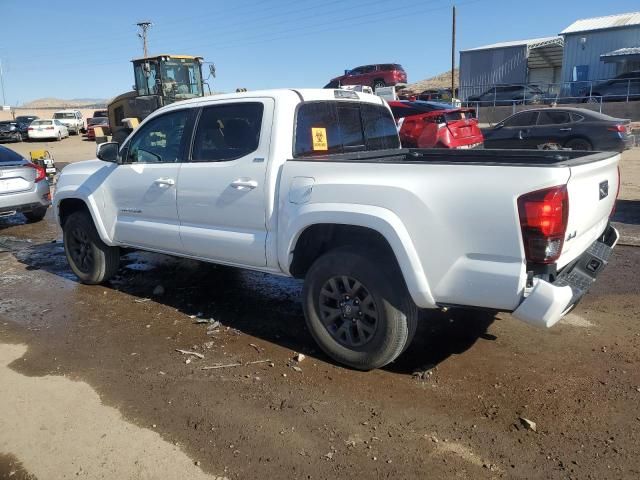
x=108 y=152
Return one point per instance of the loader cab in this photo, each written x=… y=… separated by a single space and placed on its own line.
x=171 y=77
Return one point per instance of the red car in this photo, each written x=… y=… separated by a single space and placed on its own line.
x=436 y=125
x=101 y=122
x=374 y=76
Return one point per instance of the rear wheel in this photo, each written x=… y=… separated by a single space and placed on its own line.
x=358 y=309
x=18 y=137
x=36 y=214
x=90 y=258
x=59 y=136
x=579 y=144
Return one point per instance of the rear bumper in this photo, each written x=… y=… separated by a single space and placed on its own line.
x=548 y=302
x=38 y=197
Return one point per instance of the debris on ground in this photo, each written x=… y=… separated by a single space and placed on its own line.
x=298 y=357
x=328 y=455
x=142 y=300
x=297 y=369
x=159 y=290
x=237 y=364
x=529 y=424
x=256 y=347
x=189 y=352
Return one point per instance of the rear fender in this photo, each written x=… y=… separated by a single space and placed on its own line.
x=379 y=219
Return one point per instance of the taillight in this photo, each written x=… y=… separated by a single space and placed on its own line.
x=543 y=221
x=40 y=172
x=31 y=128
x=618 y=128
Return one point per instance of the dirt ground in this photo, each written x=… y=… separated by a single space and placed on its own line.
x=91 y=384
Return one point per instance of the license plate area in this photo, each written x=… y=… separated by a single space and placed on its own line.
x=584 y=271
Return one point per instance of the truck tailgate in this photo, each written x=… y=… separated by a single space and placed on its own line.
x=592 y=189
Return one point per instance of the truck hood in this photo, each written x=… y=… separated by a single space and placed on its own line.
x=84 y=173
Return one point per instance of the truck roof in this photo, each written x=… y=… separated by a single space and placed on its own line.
x=304 y=94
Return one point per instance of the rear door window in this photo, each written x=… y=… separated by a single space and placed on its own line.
x=227 y=132
x=549 y=117
x=340 y=127
x=524 y=119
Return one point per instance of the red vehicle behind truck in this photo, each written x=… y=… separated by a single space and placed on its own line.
x=436 y=125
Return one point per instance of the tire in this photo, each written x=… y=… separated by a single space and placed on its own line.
x=91 y=260
x=378 y=84
x=594 y=98
x=18 y=138
x=579 y=144
x=377 y=318
x=36 y=215
x=59 y=139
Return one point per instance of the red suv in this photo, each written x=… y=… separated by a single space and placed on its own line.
x=374 y=76
x=436 y=125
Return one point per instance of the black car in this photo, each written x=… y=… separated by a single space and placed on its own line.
x=574 y=128
x=11 y=131
x=619 y=89
x=26 y=119
x=509 y=95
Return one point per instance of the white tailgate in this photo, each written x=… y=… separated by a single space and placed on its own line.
x=589 y=208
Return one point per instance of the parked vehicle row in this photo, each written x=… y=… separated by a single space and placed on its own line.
x=50 y=129
x=71 y=119
x=314 y=184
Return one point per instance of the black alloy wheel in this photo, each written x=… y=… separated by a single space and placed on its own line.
x=348 y=311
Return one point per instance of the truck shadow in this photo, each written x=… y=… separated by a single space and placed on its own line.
x=627 y=211
x=261 y=305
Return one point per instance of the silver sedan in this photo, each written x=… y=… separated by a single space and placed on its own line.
x=23 y=187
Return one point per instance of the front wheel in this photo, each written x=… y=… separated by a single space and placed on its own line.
x=90 y=258
x=357 y=308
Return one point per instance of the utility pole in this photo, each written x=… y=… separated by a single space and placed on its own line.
x=4 y=100
x=453 y=53
x=144 y=27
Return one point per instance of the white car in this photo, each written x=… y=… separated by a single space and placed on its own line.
x=72 y=119
x=47 y=129
x=314 y=184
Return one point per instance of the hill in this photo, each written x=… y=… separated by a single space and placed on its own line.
x=442 y=80
x=65 y=103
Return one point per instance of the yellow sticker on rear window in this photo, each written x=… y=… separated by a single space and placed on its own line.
x=319 y=138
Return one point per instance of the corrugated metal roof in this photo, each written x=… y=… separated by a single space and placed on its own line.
x=622 y=51
x=532 y=42
x=601 y=23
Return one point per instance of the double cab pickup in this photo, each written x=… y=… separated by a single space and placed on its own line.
x=315 y=185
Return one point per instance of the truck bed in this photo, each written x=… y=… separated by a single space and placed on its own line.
x=513 y=158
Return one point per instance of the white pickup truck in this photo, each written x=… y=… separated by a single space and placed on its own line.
x=314 y=184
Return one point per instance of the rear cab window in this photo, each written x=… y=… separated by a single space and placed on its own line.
x=9 y=156
x=331 y=127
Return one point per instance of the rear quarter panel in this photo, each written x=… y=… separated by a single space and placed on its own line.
x=463 y=241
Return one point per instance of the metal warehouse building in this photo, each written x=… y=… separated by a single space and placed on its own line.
x=601 y=48
x=537 y=61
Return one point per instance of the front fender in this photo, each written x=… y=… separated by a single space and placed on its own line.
x=379 y=219
x=83 y=193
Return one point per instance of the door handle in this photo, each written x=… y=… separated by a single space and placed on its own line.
x=568 y=129
x=244 y=184
x=167 y=182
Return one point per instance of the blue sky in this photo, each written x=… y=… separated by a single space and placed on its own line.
x=74 y=49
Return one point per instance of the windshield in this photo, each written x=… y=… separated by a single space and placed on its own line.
x=25 y=119
x=9 y=156
x=98 y=121
x=181 y=79
x=64 y=115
